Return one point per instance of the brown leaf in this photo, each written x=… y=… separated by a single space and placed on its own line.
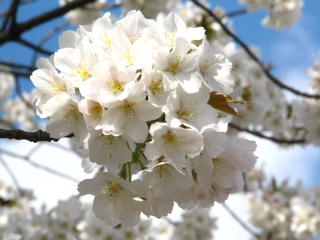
x=220 y=102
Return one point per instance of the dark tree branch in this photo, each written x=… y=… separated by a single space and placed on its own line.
x=38 y=136
x=46 y=38
x=261 y=135
x=34 y=46
x=20 y=28
x=18 y=73
x=16 y=65
x=11 y=15
x=235 y=13
x=264 y=69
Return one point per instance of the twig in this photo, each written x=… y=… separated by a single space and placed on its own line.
x=15 y=33
x=33 y=150
x=13 y=177
x=261 y=135
x=235 y=13
x=46 y=38
x=38 y=136
x=268 y=196
x=33 y=46
x=235 y=216
x=264 y=69
x=16 y=65
x=17 y=73
x=37 y=165
x=11 y=14
x=26 y=102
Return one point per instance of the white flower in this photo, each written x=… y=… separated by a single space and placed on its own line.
x=49 y=83
x=101 y=32
x=75 y=63
x=191 y=110
x=162 y=183
x=65 y=117
x=114 y=200
x=214 y=144
x=173 y=143
x=153 y=85
x=215 y=70
x=92 y=112
x=110 y=81
x=130 y=115
x=178 y=65
x=167 y=30
x=109 y=150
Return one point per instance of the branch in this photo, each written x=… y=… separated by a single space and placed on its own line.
x=16 y=65
x=18 y=73
x=24 y=100
x=46 y=38
x=34 y=46
x=37 y=165
x=263 y=68
x=43 y=18
x=240 y=221
x=235 y=13
x=11 y=14
x=38 y=136
x=261 y=135
x=13 y=177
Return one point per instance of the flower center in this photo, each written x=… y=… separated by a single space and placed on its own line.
x=57 y=88
x=171 y=139
x=84 y=71
x=176 y=64
x=128 y=108
x=184 y=113
x=117 y=85
x=156 y=86
x=95 y=110
x=207 y=64
x=130 y=57
x=162 y=171
x=106 y=39
x=113 y=190
x=71 y=115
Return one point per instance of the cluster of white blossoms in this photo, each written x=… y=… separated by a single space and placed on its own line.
x=283 y=211
x=149 y=8
x=269 y=112
x=73 y=220
x=6 y=83
x=14 y=110
x=138 y=96
x=86 y=14
x=283 y=13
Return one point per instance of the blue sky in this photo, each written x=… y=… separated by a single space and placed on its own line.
x=291 y=51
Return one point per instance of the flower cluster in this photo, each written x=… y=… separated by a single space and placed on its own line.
x=15 y=109
x=282 y=211
x=71 y=219
x=138 y=96
x=283 y=13
x=86 y=14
